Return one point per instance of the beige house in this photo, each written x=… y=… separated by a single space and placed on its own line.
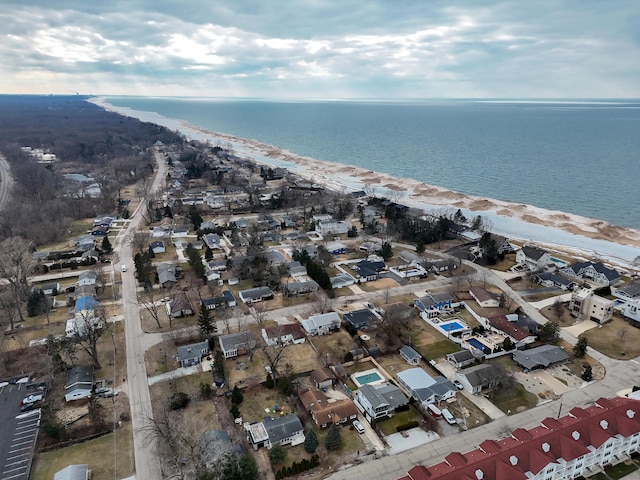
x=585 y=304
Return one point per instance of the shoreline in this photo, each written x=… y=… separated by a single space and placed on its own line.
x=584 y=237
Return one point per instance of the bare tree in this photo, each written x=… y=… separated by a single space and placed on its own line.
x=140 y=241
x=90 y=325
x=370 y=190
x=149 y=299
x=321 y=301
x=16 y=264
x=9 y=306
x=258 y=313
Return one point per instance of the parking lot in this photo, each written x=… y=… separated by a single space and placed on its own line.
x=19 y=431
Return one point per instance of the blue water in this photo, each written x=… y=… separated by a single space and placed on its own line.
x=581 y=158
x=368 y=378
x=450 y=327
x=477 y=344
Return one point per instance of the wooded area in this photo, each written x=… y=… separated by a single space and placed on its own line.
x=86 y=139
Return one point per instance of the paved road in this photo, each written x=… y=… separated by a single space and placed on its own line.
x=147 y=464
x=6 y=182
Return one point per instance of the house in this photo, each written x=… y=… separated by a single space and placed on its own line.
x=283 y=334
x=49 y=288
x=592 y=272
x=533 y=258
x=254 y=295
x=380 y=400
x=359 y=319
x=79 y=383
x=321 y=324
x=212 y=241
x=226 y=300
x=322 y=378
x=275 y=258
x=410 y=355
x=331 y=227
x=192 y=354
x=461 y=359
x=324 y=411
x=84 y=290
x=550 y=279
x=73 y=472
x=84 y=319
x=586 y=304
x=157 y=247
x=485 y=298
x=521 y=329
x=86 y=277
x=342 y=280
x=300 y=288
x=539 y=357
x=180 y=231
x=283 y=430
x=99 y=231
x=425 y=389
x=217 y=265
x=179 y=305
x=104 y=221
x=504 y=245
x=235 y=344
x=434 y=304
x=166 y=275
x=211 y=275
x=84 y=243
x=368 y=271
x=628 y=292
x=478 y=378
x=577 y=445
x=631 y=310
x=336 y=248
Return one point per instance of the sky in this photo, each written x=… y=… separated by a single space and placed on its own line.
x=322 y=49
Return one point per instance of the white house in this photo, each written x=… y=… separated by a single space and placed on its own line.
x=290 y=333
x=533 y=258
x=79 y=383
x=478 y=378
x=235 y=344
x=577 y=445
x=379 y=401
x=321 y=324
x=87 y=277
x=283 y=430
x=425 y=389
x=592 y=272
x=332 y=227
x=584 y=303
x=410 y=355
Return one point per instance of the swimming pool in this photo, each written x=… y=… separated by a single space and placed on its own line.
x=367 y=377
x=451 y=326
x=474 y=342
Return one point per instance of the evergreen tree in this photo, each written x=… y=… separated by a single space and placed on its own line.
x=243 y=468
x=206 y=322
x=386 y=251
x=277 y=454
x=235 y=411
x=310 y=441
x=167 y=212
x=106 y=245
x=208 y=254
x=587 y=375
x=269 y=383
x=334 y=439
x=236 y=396
x=580 y=348
x=36 y=303
x=195 y=217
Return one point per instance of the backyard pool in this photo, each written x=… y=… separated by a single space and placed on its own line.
x=372 y=376
x=451 y=326
x=474 y=342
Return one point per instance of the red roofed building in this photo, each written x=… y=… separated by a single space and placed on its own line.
x=579 y=443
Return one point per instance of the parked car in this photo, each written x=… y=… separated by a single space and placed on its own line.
x=358 y=426
x=448 y=416
x=33 y=398
x=458 y=385
x=123 y=268
x=106 y=392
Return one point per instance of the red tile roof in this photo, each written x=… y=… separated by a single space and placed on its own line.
x=532 y=450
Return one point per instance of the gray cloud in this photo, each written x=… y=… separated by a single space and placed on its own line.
x=310 y=48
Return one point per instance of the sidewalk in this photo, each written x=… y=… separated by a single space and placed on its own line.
x=180 y=372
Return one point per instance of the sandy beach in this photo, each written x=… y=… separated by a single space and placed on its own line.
x=585 y=237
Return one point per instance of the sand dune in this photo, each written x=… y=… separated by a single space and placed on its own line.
x=619 y=244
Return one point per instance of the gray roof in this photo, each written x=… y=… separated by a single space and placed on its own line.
x=72 y=472
x=409 y=352
x=632 y=289
x=542 y=356
x=462 y=356
x=439 y=389
x=279 y=428
x=80 y=374
x=480 y=375
x=385 y=394
x=259 y=292
x=215 y=444
x=166 y=273
x=193 y=350
x=231 y=341
x=534 y=253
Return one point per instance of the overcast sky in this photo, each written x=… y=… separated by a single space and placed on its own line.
x=322 y=48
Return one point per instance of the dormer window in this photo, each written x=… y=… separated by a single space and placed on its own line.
x=479 y=474
x=576 y=435
x=546 y=447
x=604 y=424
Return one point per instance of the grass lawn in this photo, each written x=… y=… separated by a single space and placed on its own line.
x=334 y=347
x=389 y=426
x=98 y=454
x=437 y=349
x=514 y=399
x=616 y=339
x=614 y=472
x=259 y=398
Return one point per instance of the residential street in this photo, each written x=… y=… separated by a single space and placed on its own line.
x=147 y=465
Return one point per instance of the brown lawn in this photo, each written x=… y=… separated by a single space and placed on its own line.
x=333 y=347
x=616 y=339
